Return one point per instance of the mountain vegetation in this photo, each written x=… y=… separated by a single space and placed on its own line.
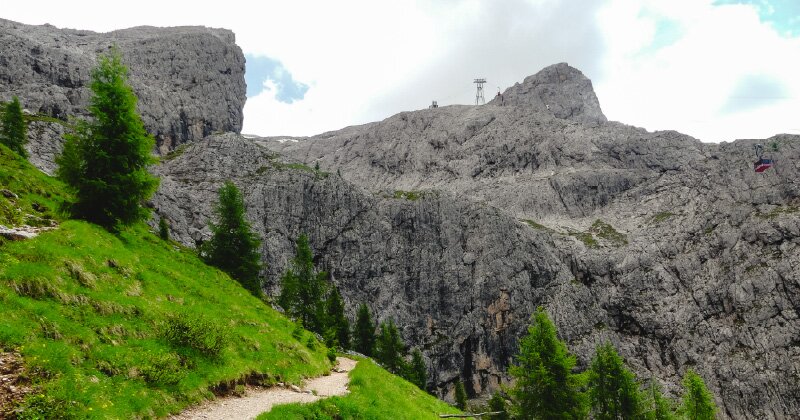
x=233 y=247
x=124 y=324
x=364 y=332
x=374 y=394
x=104 y=161
x=128 y=325
x=13 y=128
x=304 y=289
x=547 y=385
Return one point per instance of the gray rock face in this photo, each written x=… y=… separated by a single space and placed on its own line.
x=189 y=80
x=560 y=90
x=694 y=263
x=676 y=251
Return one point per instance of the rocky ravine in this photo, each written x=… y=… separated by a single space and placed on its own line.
x=189 y=80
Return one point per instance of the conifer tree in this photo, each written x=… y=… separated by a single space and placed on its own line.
x=105 y=160
x=390 y=348
x=417 y=372
x=545 y=386
x=303 y=289
x=657 y=406
x=338 y=329
x=364 y=332
x=498 y=404
x=13 y=130
x=461 y=395
x=698 y=403
x=233 y=248
x=613 y=391
x=163 y=228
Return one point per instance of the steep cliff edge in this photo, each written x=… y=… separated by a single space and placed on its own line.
x=189 y=80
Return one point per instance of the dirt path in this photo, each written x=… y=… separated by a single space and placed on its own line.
x=260 y=400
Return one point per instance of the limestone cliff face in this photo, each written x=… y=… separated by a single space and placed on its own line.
x=690 y=281
x=675 y=250
x=189 y=80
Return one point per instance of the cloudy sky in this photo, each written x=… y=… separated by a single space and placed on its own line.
x=715 y=69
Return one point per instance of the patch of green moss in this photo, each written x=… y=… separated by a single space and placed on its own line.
x=586 y=238
x=660 y=217
x=778 y=211
x=535 y=225
x=48 y=119
x=175 y=153
x=408 y=195
x=605 y=231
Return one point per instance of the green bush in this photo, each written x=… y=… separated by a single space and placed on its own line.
x=204 y=336
x=311 y=343
x=44 y=406
x=163 y=369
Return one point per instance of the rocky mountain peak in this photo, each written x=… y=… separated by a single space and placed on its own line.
x=558 y=89
x=189 y=80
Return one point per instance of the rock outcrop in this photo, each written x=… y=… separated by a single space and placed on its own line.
x=677 y=251
x=689 y=282
x=560 y=89
x=189 y=80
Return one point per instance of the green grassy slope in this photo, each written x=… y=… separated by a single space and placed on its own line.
x=39 y=196
x=374 y=394
x=125 y=326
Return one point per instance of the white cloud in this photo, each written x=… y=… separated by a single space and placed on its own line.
x=687 y=85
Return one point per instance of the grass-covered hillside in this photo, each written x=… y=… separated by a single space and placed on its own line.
x=38 y=196
x=374 y=394
x=128 y=325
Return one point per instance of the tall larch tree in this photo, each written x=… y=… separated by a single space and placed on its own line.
x=234 y=246
x=13 y=130
x=105 y=159
x=657 y=406
x=337 y=332
x=390 y=348
x=417 y=371
x=545 y=386
x=613 y=391
x=698 y=403
x=303 y=289
x=364 y=332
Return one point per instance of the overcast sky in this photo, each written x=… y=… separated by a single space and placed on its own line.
x=715 y=69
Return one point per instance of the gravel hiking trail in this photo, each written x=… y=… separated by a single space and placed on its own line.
x=260 y=400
